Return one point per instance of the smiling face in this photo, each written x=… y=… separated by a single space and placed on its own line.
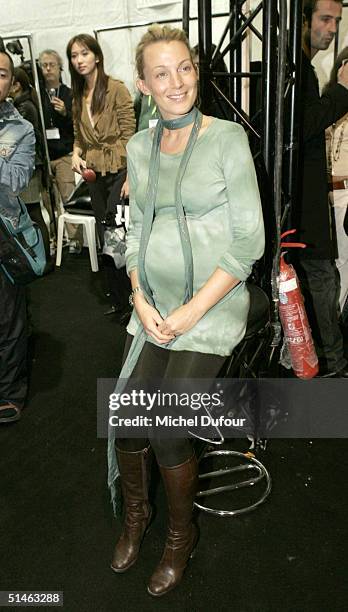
x=170 y=77
x=5 y=77
x=324 y=25
x=83 y=59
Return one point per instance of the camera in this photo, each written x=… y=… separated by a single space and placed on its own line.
x=51 y=93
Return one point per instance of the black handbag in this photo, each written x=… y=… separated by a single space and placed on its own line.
x=22 y=252
x=115 y=237
x=115 y=222
x=114 y=199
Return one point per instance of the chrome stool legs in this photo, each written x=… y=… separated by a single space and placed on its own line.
x=250 y=464
x=245 y=362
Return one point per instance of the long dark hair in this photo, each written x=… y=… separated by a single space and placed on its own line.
x=338 y=63
x=21 y=77
x=78 y=81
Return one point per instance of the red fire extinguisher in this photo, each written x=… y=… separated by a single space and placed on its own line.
x=294 y=320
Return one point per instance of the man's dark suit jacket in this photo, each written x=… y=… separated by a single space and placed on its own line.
x=311 y=216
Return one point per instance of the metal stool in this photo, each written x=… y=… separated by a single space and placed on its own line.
x=244 y=362
x=249 y=464
x=78 y=210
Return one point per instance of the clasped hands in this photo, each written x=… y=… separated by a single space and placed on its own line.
x=179 y=321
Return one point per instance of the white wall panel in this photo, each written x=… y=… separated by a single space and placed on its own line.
x=53 y=22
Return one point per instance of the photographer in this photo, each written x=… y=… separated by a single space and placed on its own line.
x=57 y=105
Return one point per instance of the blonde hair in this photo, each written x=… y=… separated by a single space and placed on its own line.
x=157 y=33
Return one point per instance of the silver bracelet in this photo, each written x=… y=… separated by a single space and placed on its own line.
x=131 y=297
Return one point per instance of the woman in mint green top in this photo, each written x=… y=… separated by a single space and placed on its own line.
x=195 y=231
x=221 y=200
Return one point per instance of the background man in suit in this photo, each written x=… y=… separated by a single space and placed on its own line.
x=311 y=215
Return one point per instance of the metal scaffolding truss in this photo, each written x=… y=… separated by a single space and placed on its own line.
x=274 y=107
x=273 y=83
x=272 y=120
x=240 y=25
x=261 y=114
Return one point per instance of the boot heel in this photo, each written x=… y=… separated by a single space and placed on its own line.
x=180 y=483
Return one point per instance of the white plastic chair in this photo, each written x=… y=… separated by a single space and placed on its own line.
x=88 y=221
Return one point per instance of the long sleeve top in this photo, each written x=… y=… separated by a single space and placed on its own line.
x=104 y=145
x=221 y=200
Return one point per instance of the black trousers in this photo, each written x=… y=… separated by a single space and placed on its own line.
x=13 y=343
x=117 y=280
x=157 y=362
x=320 y=286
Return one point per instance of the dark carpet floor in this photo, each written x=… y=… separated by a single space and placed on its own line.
x=57 y=528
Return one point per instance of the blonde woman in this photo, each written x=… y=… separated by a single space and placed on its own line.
x=195 y=231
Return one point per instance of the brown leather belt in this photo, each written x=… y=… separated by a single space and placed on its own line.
x=338 y=185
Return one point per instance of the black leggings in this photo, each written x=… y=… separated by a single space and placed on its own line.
x=157 y=362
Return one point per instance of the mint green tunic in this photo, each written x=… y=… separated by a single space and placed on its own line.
x=222 y=204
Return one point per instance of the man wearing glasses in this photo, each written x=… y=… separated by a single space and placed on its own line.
x=57 y=108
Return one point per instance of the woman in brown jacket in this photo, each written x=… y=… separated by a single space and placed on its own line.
x=104 y=121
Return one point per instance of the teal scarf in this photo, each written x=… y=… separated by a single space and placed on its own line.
x=140 y=337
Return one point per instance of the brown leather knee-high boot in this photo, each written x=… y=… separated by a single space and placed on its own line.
x=181 y=484
x=134 y=470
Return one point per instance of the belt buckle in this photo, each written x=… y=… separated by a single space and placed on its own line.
x=345 y=183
